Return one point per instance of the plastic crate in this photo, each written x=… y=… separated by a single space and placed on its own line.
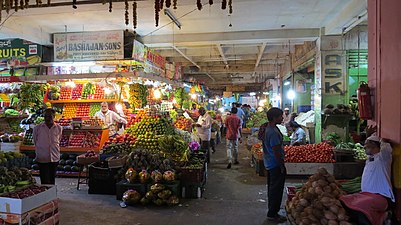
x=116 y=162
x=124 y=186
x=102 y=179
x=192 y=175
x=192 y=191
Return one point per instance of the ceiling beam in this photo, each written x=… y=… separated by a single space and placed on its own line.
x=351 y=13
x=261 y=51
x=238 y=37
x=222 y=54
x=185 y=56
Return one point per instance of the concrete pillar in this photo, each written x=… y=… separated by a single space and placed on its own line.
x=385 y=79
x=330 y=77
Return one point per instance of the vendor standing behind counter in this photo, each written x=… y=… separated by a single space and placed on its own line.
x=110 y=118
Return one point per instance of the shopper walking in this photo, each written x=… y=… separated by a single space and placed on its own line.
x=204 y=128
x=233 y=124
x=46 y=137
x=273 y=157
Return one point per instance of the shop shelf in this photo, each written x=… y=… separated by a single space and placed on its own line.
x=82 y=101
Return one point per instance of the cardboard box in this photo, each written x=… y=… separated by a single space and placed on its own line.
x=20 y=206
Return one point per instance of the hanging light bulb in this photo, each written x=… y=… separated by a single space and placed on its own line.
x=157 y=94
x=107 y=90
x=193 y=96
x=119 y=107
x=70 y=83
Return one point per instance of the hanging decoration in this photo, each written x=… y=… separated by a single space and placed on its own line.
x=199 y=4
x=126 y=12
x=157 y=10
x=134 y=15
x=159 y=4
x=1 y=8
x=8 y=6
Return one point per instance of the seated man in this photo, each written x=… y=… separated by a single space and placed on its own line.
x=370 y=206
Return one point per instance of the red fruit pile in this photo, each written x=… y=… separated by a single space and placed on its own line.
x=27 y=192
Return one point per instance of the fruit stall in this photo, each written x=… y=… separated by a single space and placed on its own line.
x=306 y=159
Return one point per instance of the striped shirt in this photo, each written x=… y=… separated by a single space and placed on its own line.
x=376 y=177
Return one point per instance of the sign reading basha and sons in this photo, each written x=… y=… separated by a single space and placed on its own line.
x=89 y=46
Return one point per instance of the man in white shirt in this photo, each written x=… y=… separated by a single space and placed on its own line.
x=377 y=192
x=286 y=117
x=204 y=128
x=110 y=118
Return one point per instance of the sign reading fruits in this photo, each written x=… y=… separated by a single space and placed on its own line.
x=18 y=52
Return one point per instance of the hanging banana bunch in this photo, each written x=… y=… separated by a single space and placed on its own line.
x=74 y=4
x=1 y=8
x=210 y=2
x=110 y=5
x=26 y=4
x=161 y=5
x=21 y=4
x=16 y=5
x=199 y=4
x=223 y=4
x=230 y=6
x=174 y=4
x=168 y=3
x=157 y=10
x=134 y=15
x=126 y=13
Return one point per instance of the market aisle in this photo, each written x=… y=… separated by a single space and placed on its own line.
x=235 y=196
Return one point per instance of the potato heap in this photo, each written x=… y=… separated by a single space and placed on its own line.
x=318 y=202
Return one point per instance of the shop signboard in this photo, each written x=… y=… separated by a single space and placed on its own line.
x=18 y=52
x=333 y=72
x=9 y=79
x=138 y=51
x=83 y=46
x=155 y=59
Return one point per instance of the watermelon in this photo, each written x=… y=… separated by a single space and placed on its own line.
x=74 y=168
x=64 y=156
x=61 y=162
x=69 y=162
x=60 y=168
x=35 y=167
x=73 y=156
x=75 y=163
x=67 y=168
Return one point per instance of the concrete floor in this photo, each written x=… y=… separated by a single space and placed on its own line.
x=232 y=197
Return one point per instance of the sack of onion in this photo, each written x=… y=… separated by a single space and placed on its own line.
x=318 y=202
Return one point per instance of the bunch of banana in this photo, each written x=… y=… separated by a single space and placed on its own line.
x=174 y=146
x=135 y=95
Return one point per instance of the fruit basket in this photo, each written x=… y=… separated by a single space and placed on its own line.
x=116 y=161
x=83 y=160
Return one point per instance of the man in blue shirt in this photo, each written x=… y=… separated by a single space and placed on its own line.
x=240 y=113
x=273 y=157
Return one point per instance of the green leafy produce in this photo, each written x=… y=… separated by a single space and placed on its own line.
x=352 y=186
x=359 y=152
x=333 y=138
x=256 y=119
x=11 y=112
x=31 y=95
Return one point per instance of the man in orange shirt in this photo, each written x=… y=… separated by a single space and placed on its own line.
x=233 y=124
x=46 y=137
